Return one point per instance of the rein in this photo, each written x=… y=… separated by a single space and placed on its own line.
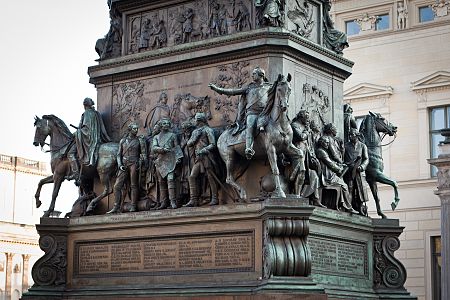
x=384 y=134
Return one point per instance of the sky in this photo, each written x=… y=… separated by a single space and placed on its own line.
x=46 y=47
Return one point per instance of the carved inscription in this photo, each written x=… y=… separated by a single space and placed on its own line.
x=339 y=257
x=204 y=254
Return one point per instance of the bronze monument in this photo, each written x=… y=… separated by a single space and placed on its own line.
x=230 y=114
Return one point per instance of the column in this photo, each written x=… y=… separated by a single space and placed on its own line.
x=9 y=271
x=443 y=191
x=26 y=260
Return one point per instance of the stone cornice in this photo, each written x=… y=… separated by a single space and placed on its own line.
x=367 y=91
x=22 y=165
x=255 y=40
x=383 y=33
x=437 y=81
x=29 y=243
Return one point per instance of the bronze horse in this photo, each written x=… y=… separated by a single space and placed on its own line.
x=370 y=129
x=274 y=140
x=61 y=139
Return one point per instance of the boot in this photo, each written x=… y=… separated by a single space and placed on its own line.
x=318 y=202
x=116 y=207
x=214 y=200
x=164 y=197
x=193 y=196
x=249 y=152
x=172 y=194
x=134 y=197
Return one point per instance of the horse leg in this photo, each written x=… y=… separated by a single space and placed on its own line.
x=374 y=188
x=43 y=181
x=105 y=180
x=58 y=179
x=230 y=177
x=381 y=178
x=272 y=156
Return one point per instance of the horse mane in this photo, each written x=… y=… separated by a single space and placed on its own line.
x=367 y=130
x=270 y=99
x=62 y=127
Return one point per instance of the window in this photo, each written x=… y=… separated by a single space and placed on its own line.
x=436 y=263
x=351 y=28
x=425 y=14
x=439 y=119
x=382 y=22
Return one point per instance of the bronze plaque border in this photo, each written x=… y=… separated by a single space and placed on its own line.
x=77 y=245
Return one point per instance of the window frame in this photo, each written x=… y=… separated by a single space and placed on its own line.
x=419 y=15
x=431 y=132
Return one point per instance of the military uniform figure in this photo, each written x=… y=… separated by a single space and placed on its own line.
x=357 y=159
x=129 y=157
x=168 y=154
x=251 y=105
x=203 y=142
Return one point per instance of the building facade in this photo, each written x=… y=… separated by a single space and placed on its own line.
x=402 y=70
x=19 y=241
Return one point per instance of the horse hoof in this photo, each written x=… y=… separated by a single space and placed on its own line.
x=278 y=194
x=46 y=214
x=89 y=209
x=394 y=205
x=38 y=203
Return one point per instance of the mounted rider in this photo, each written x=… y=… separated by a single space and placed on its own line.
x=90 y=134
x=251 y=105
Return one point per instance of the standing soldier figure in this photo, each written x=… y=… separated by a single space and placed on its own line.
x=203 y=142
x=168 y=155
x=357 y=159
x=129 y=156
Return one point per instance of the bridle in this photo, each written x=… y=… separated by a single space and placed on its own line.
x=387 y=129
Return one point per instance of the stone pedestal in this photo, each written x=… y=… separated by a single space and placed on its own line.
x=276 y=249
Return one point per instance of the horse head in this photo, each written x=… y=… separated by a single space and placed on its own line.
x=42 y=131
x=383 y=125
x=283 y=91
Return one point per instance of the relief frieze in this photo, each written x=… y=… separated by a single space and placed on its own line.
x=190 y=22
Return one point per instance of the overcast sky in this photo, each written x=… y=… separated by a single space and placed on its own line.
x=46 y=47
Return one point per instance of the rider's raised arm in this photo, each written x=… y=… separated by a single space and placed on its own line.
x=228 y=92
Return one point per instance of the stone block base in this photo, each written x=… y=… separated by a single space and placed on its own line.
x=275 y=249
